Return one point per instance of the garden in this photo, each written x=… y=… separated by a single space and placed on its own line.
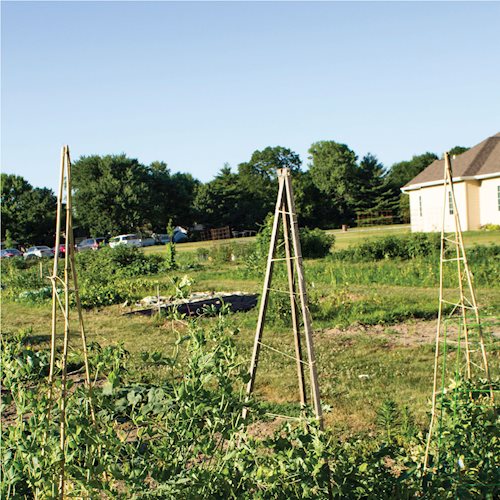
x=169 y=390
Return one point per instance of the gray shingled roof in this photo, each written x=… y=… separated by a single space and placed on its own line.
x=482 y=159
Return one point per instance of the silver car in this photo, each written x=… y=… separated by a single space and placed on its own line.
x=38 y=252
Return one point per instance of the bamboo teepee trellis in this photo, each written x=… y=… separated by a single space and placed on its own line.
x=285 y=209
x=463 y=301
x=62 y=288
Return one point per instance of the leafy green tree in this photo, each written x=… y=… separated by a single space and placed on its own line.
x=458 y=150
x=171 y=197
x=372 y=193
x=257 y=179
x=404 y=171
x=400 y=174
x=220 y=202
x=181 y=202
x=111 y=194
x=334 y=172
x=28 y=213
x=309 y=203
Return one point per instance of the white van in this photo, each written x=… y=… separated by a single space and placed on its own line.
x=130 y=240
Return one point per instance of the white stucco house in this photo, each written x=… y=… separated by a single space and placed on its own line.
x=476 y=182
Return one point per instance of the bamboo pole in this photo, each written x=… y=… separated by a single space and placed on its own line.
x=460 y=254
x=438 y=330
x=53 y=279
x=265 y=297
x=468 y=274
x=70 y=250
x=66 y=337
x=293 y=306
x=303 y=299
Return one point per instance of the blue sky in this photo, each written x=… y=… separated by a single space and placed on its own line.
x=200 y=84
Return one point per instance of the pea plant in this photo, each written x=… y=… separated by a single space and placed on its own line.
x=183 y=436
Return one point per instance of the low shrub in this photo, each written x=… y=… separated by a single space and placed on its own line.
x=393 y=247
x=315 y=243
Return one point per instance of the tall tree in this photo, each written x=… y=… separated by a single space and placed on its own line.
x=373 y=192
x=404 y=171
x=334 y=172
x=220 y=202
x=28 y=213
x=310 y=203
x=111 y=194
x=458 y=150
x=257 y=180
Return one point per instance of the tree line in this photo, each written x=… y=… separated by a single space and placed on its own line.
x=115 y=194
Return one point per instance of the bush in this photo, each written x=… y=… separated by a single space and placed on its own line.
x=315 y=243
x=393 y=247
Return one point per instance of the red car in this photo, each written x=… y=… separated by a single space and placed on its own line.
x=10 y=252
x=62 y=250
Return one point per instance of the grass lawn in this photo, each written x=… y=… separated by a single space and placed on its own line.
x=343 y=239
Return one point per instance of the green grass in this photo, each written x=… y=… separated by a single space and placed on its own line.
x=342 y=239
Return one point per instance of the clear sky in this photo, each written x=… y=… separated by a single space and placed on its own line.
x=200 y=84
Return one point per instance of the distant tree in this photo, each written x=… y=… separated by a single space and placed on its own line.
x=400 y=174
x=311 y=207
x=373 y=192
x=404 y=171
x=181 y=202
x=266 y=162
x=111 y=194
x=334 y=172
x=220 y=202
x=257 y=180
x=458 y=150
x=28 y=213
x=171 y=197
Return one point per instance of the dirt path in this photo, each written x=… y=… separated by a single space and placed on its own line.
x=409 y=333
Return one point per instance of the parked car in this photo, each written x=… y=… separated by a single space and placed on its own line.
x=162 y=239
x=8 y=253
x=147 y=241
x=62 y=250
x=38 y=252
x=180 y=236
x=90 y=244
x=130 y=240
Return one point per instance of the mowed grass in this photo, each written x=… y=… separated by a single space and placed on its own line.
x=343 y=239
x=373 y=331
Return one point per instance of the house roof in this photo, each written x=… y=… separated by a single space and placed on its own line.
x=482 y=159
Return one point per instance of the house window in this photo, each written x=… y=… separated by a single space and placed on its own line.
x=420 y=203
x=498 y=197
x=450 y=203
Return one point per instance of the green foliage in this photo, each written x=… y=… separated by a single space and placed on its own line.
x=218 y=202
x=104 y=276
x=404 y=171
x=115 y=194
x=315 y=243
x=465 y=453
x=28 y=213
x=458 y=150
x=393 y=247
x=333 y=171
x=183 y=436
x=171 y=250
x=387 y=417
x=110 y=193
